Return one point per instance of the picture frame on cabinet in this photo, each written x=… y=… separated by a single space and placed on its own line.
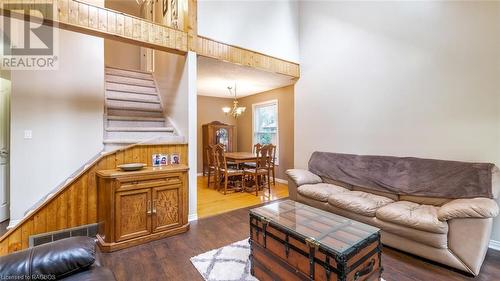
x=156 y=160
x=175 y=159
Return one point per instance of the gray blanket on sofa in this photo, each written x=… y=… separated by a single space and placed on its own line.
x=406 y=175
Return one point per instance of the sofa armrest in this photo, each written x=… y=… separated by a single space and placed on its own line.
x=468 y=240
x=468 y=208
x=57 y=259
x=300 y=177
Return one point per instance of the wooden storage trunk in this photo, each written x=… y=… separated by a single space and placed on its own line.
x=280 y=254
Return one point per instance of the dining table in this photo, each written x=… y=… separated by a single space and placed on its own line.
x=241 y=157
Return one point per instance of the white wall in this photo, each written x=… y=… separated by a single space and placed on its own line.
x=399 y=78
x=64 y=109
x=171 y=77
x=268 y=26
x=191 y=71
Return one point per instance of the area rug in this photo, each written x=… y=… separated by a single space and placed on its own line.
x=229 y=263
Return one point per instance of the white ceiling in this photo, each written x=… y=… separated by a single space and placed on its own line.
x=214 y=76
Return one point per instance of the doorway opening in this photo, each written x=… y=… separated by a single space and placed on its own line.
x=5 y=92
x=223 y=90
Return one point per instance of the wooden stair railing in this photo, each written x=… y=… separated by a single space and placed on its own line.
x=75 y=204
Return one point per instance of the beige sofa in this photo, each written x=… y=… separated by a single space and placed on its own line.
x=454 y=232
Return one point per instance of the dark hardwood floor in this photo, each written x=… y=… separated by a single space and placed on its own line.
x=168 y=259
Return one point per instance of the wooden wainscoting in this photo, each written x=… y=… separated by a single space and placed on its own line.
x=214 y=49
x=75 y=203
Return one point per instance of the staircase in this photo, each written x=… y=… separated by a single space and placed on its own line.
x=133 y=111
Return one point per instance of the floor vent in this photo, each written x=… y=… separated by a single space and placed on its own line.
x=89 y=230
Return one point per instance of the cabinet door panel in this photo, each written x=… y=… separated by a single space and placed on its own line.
x=132 y=210
x=166 y=203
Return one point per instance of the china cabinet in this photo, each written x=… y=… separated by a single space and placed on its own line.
x=217 y=132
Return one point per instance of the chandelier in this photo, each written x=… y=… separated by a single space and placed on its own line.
x=236 y=110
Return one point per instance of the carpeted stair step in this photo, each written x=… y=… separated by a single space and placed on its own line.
x=112 y=144
x=137 y=133
x=111 y=86
x=133 y=105
x=129 y=73
x=130 y=81
x=133 y=121
x=140 y=129
x=134 y=113
x=133 y=99
x=131 y=95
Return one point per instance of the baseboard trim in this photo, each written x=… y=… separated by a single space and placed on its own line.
x=495 y=245
x=13 y=223
x=193 y=217
x=282 y=181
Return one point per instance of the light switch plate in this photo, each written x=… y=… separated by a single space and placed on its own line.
x=28 y=134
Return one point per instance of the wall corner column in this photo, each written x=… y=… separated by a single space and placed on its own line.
x=192 y=133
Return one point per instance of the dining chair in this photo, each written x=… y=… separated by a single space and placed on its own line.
x=223 y=172
x=211 y=165
x=230 y=164
x=261 y=170
x=256 y=148
x=272 y=163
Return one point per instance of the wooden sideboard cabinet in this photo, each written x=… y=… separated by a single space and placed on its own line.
x=141 y=206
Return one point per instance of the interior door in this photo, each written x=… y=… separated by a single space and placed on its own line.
x=132 y=214
x=166 y=202
x=4 y=147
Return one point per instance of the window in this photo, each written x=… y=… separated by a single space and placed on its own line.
x=265 y=124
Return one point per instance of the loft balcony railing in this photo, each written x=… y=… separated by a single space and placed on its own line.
x=95 y=20
x=103 y=22
x=214 y=49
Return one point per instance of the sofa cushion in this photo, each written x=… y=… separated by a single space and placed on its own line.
x=413 y=215
x=359 y=202
x=301 y=177
x=392 y=196
x=436 y=240
x=423 y=200
x=468 y=208
x=319 y=191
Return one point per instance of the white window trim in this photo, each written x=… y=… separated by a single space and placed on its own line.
x=254 y=105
